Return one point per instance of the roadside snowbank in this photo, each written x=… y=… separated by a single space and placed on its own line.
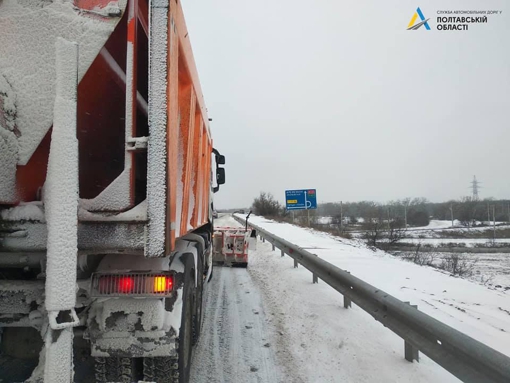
x=470 y=308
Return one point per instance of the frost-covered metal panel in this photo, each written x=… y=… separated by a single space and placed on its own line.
x=174 y=143
x=9 y=147
x=61 y=204
x=59 y=357
x=187 y=133
x=116 y=197
x=157 y=149
x=61 y=200
x=178 y=185
x=125 y=235
x=178 y=130
x=28 y=31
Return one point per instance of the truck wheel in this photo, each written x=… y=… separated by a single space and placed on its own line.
x=161 y=370
x=116 y=370
x=171 y=370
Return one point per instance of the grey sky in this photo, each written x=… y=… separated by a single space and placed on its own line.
x=339 y=96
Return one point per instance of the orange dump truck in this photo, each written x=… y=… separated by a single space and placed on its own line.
x=107 y=171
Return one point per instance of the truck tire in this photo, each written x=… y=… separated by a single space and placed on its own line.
x=212 y=271
x=116 y=370
x=172 y=370
x=199 y=296
x=161 y=370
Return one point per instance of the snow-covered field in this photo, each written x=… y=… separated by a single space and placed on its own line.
x=435 y=225
x=324 y=220
x=447 y=224
x=493 y=268
x=489 y=267
x=440 y=229
x=469 y=242
x=474 y=309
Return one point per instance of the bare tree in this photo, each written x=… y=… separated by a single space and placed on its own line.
x=458 y=264
x=382 y=224
x=373 y=231
x=422 y=258
x=396 y=231
x=266 y=205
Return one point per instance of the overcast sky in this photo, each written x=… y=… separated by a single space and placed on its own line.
x=339 y=96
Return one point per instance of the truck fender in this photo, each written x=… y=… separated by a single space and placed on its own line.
x=186 y=251
x=201 y=246
x=186 y=255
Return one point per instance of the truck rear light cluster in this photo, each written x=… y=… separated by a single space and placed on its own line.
x=132 y=284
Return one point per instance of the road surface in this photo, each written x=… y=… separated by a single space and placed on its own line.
x=238 y=343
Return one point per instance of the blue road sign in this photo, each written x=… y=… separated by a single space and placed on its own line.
x=301 y=199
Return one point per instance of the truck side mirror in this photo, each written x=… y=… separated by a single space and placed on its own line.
x=220 y=176
x=220 y=172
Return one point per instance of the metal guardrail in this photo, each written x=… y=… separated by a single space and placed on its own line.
x=468 y=359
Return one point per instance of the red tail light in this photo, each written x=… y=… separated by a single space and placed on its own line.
x=126 y=284
x=132 y=284
x=117 y=284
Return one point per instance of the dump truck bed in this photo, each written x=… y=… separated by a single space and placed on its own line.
x=144 y=144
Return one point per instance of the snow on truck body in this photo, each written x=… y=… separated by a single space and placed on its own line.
x=144 y=159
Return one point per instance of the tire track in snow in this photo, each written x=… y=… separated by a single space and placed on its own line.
x=231 y=346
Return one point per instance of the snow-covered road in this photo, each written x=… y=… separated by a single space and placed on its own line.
x=236 y=344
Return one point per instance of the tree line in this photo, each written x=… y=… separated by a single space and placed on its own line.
x=419 y=211
x=405 y=212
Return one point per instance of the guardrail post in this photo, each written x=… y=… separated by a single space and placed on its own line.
x=263 y=239
x=283 y=253
x=295 y=264
x=315 y=278
x=347 y=302
x=411 y=353
x=274 y=248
